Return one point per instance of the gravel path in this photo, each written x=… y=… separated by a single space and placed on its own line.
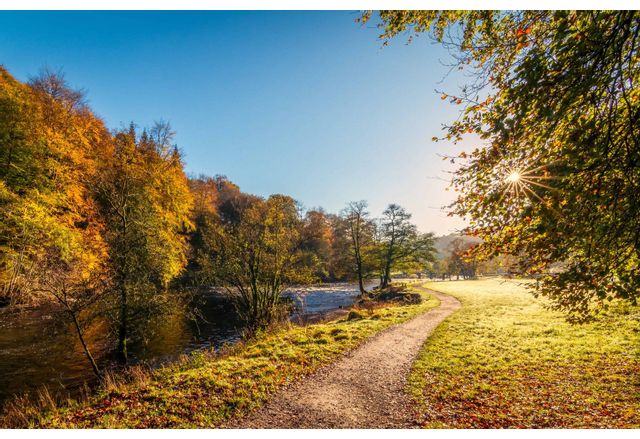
x=363 y=389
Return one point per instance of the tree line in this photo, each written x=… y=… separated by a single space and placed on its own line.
x=105 y=224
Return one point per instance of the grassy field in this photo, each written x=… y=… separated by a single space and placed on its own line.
x=206 y=389
x=503 y=360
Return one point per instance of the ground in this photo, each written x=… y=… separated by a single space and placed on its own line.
x=206 y=390
x=364 y=389
x=504 y=360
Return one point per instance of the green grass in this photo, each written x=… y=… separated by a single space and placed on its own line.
x=504 y=360
x=208 y=389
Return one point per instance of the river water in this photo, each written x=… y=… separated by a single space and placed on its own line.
x=37 y=352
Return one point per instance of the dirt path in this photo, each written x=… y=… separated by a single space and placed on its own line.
x=363 y=389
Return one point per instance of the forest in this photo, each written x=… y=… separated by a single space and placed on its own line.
x=105 y=225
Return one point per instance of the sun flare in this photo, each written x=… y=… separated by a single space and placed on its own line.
x=524 y=183
x=513 y=177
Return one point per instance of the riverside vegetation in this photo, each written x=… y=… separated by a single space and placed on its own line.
x=207 y=388
x=504 y=360
x=104 y=229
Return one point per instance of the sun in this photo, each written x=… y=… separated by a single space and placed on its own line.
x=513 y=177
x=522 y=184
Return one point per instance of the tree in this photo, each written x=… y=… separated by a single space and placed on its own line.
x=51 y=247
x=76 y=293
x=340 y=265
x=206 y=195
x=401 y=244
x=255 y=252
x=461 y=259
x=360 y=230
x=49 y=145
x=316 y=237
x=555 y=102
x=145 y=201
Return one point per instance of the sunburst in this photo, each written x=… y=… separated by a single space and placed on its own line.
x=513 y=177
x=524 y=183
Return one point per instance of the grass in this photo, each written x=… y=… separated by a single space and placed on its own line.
x=505 y=361
x=206 y=389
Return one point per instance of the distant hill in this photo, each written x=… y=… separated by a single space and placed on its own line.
x=442 y=243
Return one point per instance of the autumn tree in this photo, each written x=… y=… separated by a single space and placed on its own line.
x=461 y=259
x=49 y=145
x=145 y=201
x=360 y=231
x=554 y=99
x=316 y=237
x=52 y=252
x=206 y=195
x=78 y=294
x=255 y=252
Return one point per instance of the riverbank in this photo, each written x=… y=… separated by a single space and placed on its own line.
x=205 y=389
x=39 y=347
x=505 y=361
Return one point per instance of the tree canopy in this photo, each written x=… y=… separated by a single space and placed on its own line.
x=49 y=146
x=555 y=175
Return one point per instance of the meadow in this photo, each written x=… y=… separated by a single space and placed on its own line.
x=506 y=361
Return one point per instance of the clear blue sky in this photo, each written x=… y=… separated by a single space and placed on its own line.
x=303 y=103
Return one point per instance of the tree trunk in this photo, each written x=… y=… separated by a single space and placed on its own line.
x=361 y=284
x=386 y=278
x=123 y=328
x=359 y=270
x=87 y=352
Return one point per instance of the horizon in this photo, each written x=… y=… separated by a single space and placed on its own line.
x=309 y=104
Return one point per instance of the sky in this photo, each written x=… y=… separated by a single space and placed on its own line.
x=309 y=104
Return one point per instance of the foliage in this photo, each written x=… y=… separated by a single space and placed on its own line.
x=400 y=244
x=505 y=361
x=78 y=296
x=255 y=251
x=49 y=144
x=146 y=204
x=555 y=99
x=361 y=232
x=211 y=195
x=461 y=261
x=316 y=236
x=99 y=224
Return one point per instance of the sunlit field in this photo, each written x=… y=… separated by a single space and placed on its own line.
x=503 y=360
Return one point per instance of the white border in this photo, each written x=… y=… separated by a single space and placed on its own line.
x=313 y=4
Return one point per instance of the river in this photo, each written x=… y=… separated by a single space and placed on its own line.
x=37 y=352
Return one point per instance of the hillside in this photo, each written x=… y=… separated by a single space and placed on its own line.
x=442 y=243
